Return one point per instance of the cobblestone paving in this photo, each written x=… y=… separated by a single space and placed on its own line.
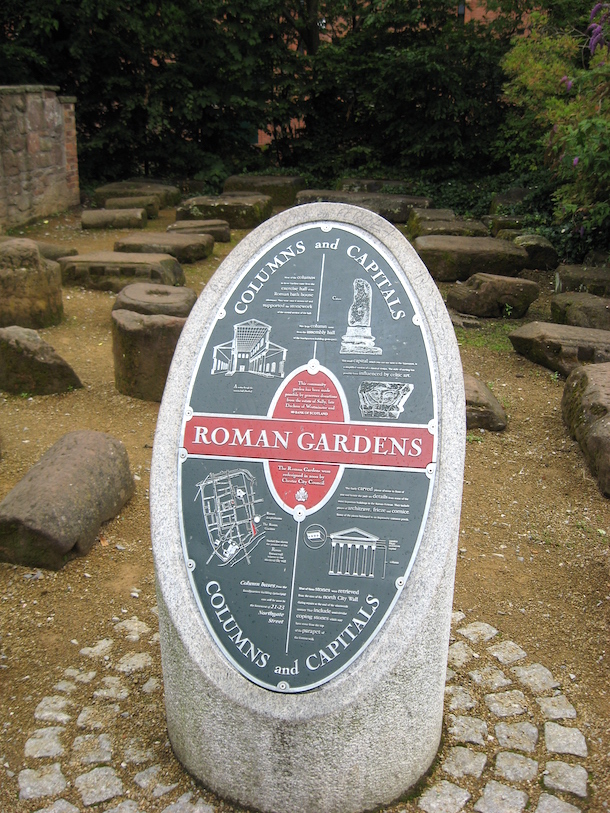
x=98 y=739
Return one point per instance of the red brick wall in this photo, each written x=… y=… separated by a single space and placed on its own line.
x=38 y=159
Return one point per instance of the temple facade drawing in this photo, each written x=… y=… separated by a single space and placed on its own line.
x=352 y=553
x=250 y=351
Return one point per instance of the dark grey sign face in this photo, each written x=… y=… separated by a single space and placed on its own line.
x=308 y=455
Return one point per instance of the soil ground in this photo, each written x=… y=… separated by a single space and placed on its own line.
x=534 y=546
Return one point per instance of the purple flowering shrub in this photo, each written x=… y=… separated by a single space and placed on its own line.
x=561 y=81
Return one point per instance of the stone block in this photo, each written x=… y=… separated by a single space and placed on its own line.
x=30 y=286
x=167 y=194
x=561 y=348
x=540 y=251
x=581 y=310
x=497 y=222
x=483 y=410
x=151 y=299
x=584 y=278
x=186 y=248
x=54 y=513
x=585 y=407
x=151 y=203
x=395 y=208
x=218 y=229
x=143 y=347
x=455 y=227
x=114 y=219
x=493 y=296
x=240 y=211
x=510 y=197
x=113 y=270
x=457 y=258
x=364 y=184
x=29 y=364
x=282 y=189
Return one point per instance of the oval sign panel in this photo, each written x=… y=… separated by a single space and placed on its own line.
x=308 y=455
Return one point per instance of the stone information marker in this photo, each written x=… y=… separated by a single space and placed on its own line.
x=305 y=503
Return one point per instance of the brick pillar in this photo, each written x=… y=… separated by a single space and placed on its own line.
x=67 y=103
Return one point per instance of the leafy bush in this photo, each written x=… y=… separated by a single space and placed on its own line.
x=561 y=111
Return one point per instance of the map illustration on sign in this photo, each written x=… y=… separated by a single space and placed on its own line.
x=230 y=518
x=305 y=485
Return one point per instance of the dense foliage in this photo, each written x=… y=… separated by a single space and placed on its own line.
x=402 y=89
x=560 y=123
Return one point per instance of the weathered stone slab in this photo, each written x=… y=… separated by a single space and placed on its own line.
x=150 y=203
x=483 y=410
x=443 y=221
x=457 y=258
x=48 y=781
x=365 y=184
x=563 y=776
x=456 y=227
x=144 y=297
x=540 y=251
x=584 y=278
x=30 y=286
x=585 y=407
x=395 y=208
x=186 y=248
x=114 y=219
x=493 y=296
x=54 y=513
x=418 y=218
x=49 y=251
x=143 y=347
x=29 y=364
x=240 y=211
x=581 y=310
x=168 y=195
x=218 y=229
x=282 y=189
x=561 y=347
x=113 y=270
x=498 y=222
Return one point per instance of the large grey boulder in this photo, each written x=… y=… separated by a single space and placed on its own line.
x=540 y=251
x=561 y=348
x=143 y=297
x=457 y=258
x=585 y=407
x=113 y=270
x=167 y=194
x=282 y=189
x=186 y=248
x=143 y=347
x=114 y=219
x=245 y=211
x=491 y=295
x=585 y=278
x=395 y=208
x=150 y=203
x=218 y=229
x=483 y=410
x=582 y=310
x=30 y=286
x=54 y=513
x=29 y=364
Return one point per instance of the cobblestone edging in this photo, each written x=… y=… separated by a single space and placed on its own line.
x=98 y=736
